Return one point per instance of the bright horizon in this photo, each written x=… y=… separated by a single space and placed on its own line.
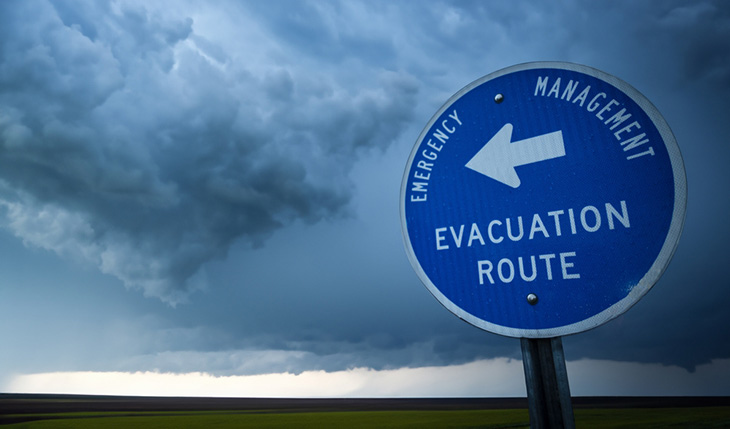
x=494 y=378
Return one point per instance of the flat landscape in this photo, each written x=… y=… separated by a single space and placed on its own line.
x=72 y=411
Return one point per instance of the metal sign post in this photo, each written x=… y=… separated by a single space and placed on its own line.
x=548 y=391
x=543 y=200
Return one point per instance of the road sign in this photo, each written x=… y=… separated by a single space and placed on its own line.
x=543 y=200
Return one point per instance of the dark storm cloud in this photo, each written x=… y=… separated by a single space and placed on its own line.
x=151 y=144
x=676 y=54
x=131 y=142
x=316 y=29
x=705 y=41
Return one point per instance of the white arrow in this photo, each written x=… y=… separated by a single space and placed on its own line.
x=498 y=158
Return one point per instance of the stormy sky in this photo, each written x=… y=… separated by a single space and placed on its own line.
x=211 y=190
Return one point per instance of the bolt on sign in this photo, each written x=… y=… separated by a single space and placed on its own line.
x=542 y=200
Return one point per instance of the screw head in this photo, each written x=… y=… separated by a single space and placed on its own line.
x=532 y=299
x=498 y=98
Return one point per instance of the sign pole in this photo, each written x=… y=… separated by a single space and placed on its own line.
x=548 y=391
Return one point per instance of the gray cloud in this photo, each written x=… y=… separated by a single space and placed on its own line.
x=132 y=143
x=152 y=143
x=705 y=27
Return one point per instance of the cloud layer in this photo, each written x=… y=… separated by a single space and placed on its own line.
x=258 y=147
x=131 y=142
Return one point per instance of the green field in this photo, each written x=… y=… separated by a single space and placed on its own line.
x=695 y=417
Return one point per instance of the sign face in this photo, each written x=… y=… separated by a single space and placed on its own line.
x=543 y=200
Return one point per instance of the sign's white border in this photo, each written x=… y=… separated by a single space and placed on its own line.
x=654 y=272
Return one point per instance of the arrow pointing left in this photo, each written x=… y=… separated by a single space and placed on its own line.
x=499 y=156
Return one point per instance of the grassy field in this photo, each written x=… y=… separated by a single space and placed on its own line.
x=709 y=417
x=143 y=413
x=324 y=420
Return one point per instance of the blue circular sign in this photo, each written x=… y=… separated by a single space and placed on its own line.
x=543 y=200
